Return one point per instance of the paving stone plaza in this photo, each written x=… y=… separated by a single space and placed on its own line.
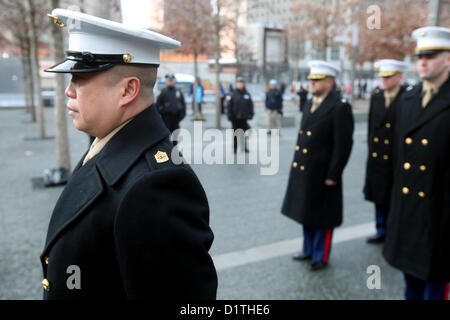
x=253 y=242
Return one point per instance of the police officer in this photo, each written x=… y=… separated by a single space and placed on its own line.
x=171 y=105
x=303 y=97
x=418 y=234
x=314 y=192
x=274 y=106
x=239 y=111
x=379 y=169
x=130 y=223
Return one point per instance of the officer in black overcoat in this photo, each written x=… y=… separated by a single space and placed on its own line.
x=239 y=111
x=171 y=105
x=314 y=192
x=418 y=232
x=303 y=97
x=381 y=125
x=133 y=220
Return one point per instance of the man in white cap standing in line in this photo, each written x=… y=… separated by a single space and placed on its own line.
x=418 y=233
x=314 y=192
x=130 y=224
x=381 y=125
x=274 y=106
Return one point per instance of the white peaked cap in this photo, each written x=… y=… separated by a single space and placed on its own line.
x=431 y=39
x=322 y=69
x=96 y=44
x=389 y=67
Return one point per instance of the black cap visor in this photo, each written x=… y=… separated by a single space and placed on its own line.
x=77 y=62
x=72 y=66
x=420 y=52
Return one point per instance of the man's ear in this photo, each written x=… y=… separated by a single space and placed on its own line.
x=130 y=89
x=447 y=60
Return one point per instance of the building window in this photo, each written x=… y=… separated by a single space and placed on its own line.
x=335 y=53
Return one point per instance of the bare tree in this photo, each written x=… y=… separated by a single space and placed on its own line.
x=61 y=137
x=393 y=40
x=19 y=42
x=35 y=8
x=240 y=40
x=445 y=14
x=319 y=21
x=296 y=42
x=190 y=21
x=224 y=24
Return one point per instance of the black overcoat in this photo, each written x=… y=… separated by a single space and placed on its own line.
x=379 y=165
x=135 y=224
x=418 y=237
x=323 y=148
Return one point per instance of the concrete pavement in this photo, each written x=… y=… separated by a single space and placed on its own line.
x=245 y=216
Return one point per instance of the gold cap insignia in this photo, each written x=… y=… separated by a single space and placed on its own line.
x=423 y=34
x=56 y=20
x=161 y=157
x=126 y=57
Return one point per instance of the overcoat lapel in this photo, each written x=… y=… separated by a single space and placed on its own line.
x=379 y=115
x=83 y=188
x=87 y=182
x=439 y=103
x=323 y=109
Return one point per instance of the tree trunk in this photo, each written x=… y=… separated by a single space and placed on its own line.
x=28 y=77
x=36 y=75
x=217 y=68
x=236 y=40
x=27 y=93
x=62 y=141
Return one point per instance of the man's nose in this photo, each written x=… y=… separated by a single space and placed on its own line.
x=70 y=92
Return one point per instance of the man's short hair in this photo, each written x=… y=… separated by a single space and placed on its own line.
x=145 y=74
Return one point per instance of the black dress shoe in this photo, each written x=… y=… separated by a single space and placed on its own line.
x=302 y=257
x=315 y=266
x=376 y=239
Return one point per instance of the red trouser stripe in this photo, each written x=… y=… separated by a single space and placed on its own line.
x=326 y=251
x=446 y=292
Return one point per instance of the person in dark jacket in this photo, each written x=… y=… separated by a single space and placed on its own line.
x=381 y=126
x=314 y=193
x=171 y=105
x=303 y=97
x=274 y=106
x=418 y=231
x=130 y=223
x=239 y=111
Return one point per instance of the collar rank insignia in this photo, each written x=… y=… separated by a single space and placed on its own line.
x=161 y=157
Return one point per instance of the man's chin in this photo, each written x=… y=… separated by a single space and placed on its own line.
x=78 y=125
